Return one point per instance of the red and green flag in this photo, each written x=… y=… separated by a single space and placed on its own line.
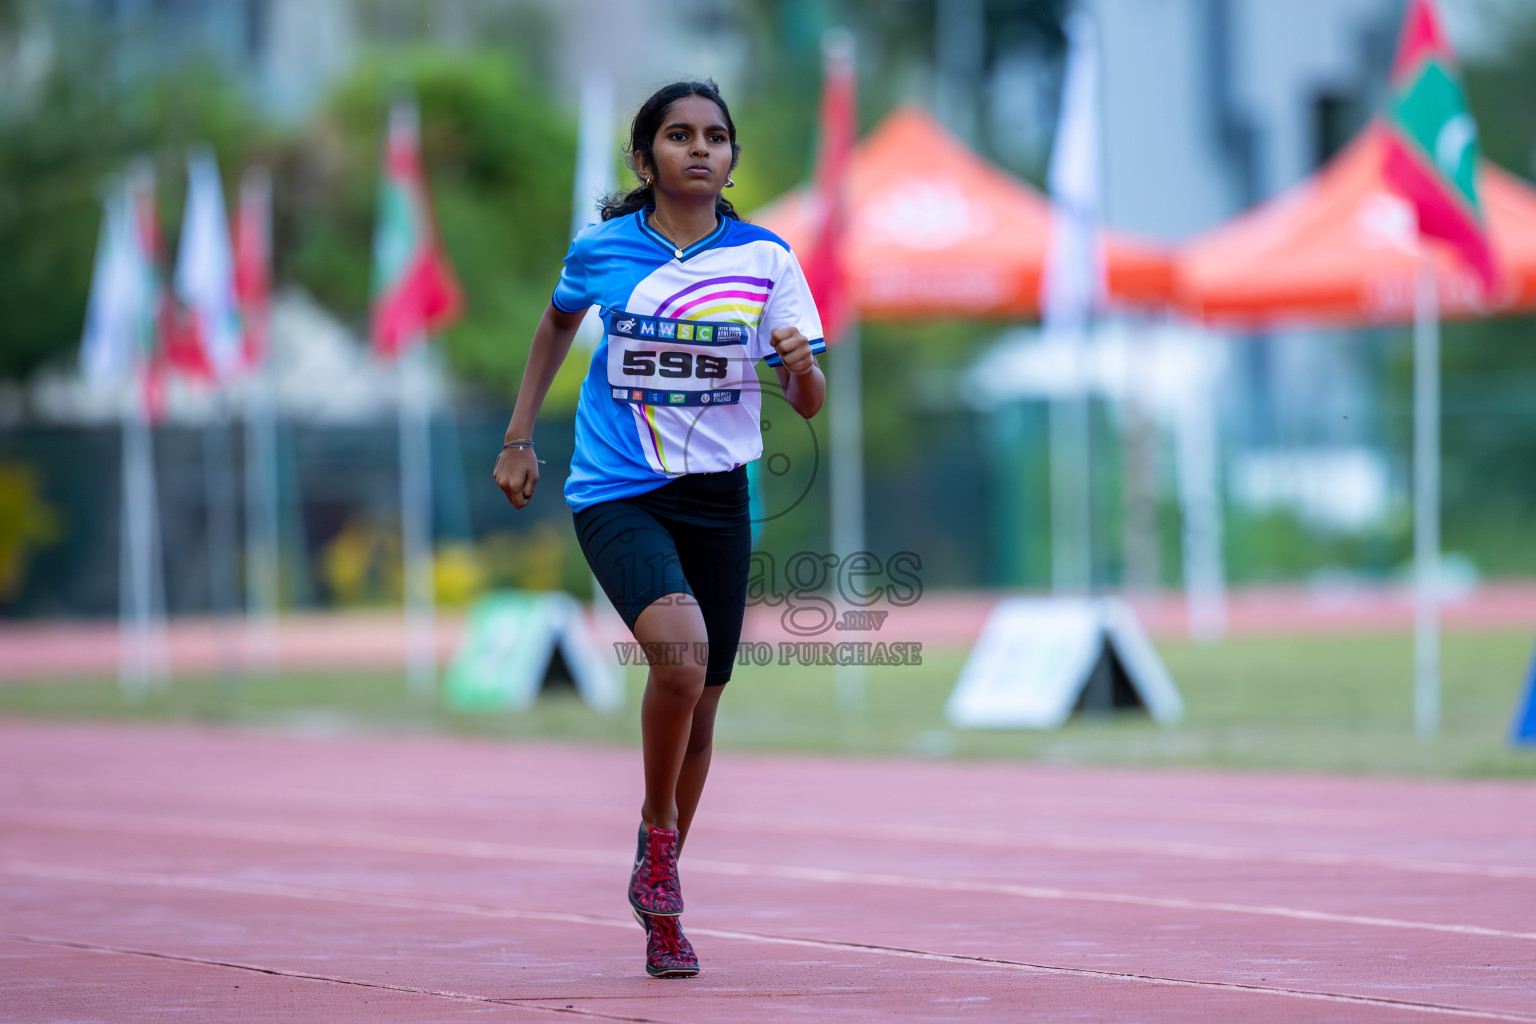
x=415 y=292
x=253 y=263
x=1431 y=151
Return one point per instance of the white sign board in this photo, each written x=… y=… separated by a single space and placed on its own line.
x=509 y=643
x=1036 y=657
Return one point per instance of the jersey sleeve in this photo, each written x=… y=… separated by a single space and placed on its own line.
x=573 y=291
x=789 y=305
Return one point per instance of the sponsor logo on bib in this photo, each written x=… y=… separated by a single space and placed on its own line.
x=668 y=329
x=685 y=332
x=704 y=333
x=625 y=326
x=647 y=328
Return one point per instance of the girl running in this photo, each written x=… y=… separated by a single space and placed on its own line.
x=690 y=298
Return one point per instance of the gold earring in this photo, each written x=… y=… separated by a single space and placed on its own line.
x=730 y=182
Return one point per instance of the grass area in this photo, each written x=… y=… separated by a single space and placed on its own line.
x=1325 y=703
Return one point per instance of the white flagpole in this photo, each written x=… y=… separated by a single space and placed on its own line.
x=847 y=485
x=1072 y=288
x=261 y=572
x=1426 y=498
x=132 y=631
x=845 y=396
x=594 y=178
x=260 y=408
x=1200 y=501
x=416 y=521
x=1071 y=533
x=218 y=492
x=145 y=661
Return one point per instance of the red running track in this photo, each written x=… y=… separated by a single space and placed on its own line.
x=153 y=873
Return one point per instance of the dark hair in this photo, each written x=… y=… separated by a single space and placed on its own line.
x=642 y=137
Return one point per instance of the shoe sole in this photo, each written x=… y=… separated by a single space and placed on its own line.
x=679 y=973
x=673 y=972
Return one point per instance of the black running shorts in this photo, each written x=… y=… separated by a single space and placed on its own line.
x=691 y=536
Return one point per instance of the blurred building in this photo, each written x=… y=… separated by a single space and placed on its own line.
x=1211 y=106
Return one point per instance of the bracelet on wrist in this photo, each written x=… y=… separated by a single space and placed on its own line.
x=521 y=443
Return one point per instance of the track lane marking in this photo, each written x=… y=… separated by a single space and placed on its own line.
x=484 y=850
x=384 y=901
x=458 y=997
x=1096 y=844
x=1223 y=810
x=961 y=836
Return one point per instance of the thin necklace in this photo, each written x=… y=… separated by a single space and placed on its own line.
x=677 y=249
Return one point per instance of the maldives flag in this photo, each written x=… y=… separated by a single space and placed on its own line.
x=155 y=321
x=1431 y=150
x=823 y=264
x=253 y=263
x=415 y=292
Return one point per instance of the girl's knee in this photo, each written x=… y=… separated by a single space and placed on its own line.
x=678 y=677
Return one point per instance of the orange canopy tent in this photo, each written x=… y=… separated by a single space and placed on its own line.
x=1341 y=249
x=934 y=230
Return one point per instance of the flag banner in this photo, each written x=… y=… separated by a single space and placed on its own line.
x=208 y=339
x=155 y=327
x=415 y=292
x=823 y=264
x=253 y=264
x=1431 y=153
x=119 y=298
x=128 y=309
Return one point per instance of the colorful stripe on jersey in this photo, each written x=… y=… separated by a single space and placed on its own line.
x=740 y=295
x=649 y=412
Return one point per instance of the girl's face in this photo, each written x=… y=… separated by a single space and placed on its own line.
x=691 y=153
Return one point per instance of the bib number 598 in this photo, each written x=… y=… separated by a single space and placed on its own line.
x=641 y=363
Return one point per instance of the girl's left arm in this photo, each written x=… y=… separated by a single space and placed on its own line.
x=799 y=374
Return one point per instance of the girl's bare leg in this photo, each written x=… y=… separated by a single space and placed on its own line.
x=690 y=780
x=667 y=710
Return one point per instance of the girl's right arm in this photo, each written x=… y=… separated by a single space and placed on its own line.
x=517 y=470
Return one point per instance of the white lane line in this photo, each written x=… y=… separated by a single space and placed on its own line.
x=385 y=901
x=458 y=997
x=476 y=849
x=948 y=835
x=1221 y=810
x=1097 y=844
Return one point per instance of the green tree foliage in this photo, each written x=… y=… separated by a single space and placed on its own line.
x=499 y=156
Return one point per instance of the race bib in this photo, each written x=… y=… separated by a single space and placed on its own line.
x=654 y=361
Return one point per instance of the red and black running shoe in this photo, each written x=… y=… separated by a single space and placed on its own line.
x=653 y=885
x=668 y=953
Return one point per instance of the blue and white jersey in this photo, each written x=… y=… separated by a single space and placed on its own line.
x=672 y=388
